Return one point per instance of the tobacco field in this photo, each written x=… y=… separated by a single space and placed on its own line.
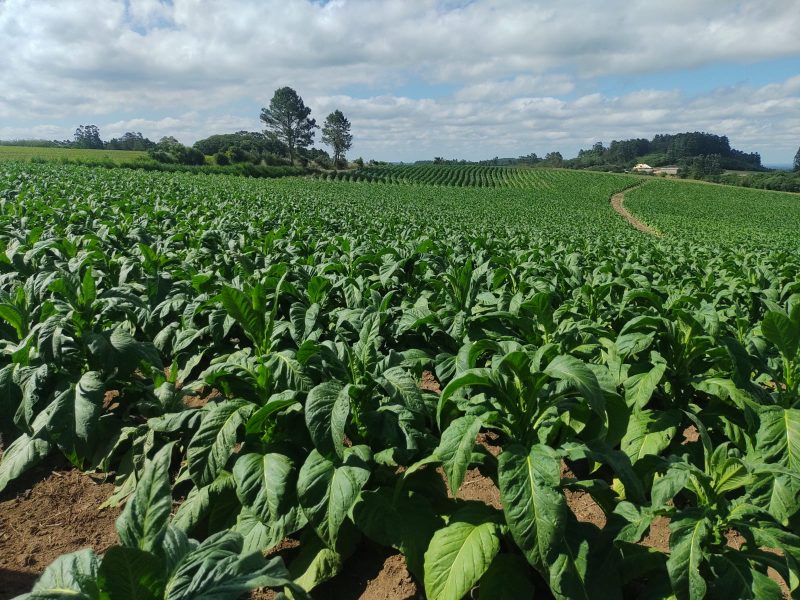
x=243 y=360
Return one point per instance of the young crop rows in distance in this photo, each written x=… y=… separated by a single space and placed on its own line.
x=255 y=350
x=449 y=175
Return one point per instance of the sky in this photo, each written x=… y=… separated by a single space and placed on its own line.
x=416 y=78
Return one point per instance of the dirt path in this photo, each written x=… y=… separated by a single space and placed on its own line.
x=617 y=204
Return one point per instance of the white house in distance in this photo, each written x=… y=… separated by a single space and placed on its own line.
x=647 y=169
x=670 y=170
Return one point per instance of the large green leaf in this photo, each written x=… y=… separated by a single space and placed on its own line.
x=534 y=506
x=473 y=377
x=778 y=437
x=199 y=501
x=22 y=454
x=781 y=331
x=649 y=433
x=211 y=446
x=217 y=569
x=776 y=489
x=74 y=421
x=402 y=387
x=315 y=563
x=127 y=352
x=143 y=522
x=326 y=411
x=262 y=534
x=506 y=579
x=459 y=555
x=131 y=573
x=639 y=388
x=586 y=566
x=275 y=404
x=327 y=491
x=240 y=306
x=687 y=537
x=578 y=375
x=455 y=449
x=265 y=483
x=71 y=575
x=735 y=578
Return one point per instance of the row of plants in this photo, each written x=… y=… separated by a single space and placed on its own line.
x=252 y=352
x=449 y=175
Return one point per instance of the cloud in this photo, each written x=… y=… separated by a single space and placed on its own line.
x=519 y=71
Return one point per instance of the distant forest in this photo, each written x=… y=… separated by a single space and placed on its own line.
x=692 y=151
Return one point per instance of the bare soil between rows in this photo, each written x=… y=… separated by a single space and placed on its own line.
x=51 y=511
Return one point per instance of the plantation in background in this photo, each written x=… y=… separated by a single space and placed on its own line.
x=468 y=176
x=255 y=349
x=18 y=153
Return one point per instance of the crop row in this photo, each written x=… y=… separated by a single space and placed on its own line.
x=448 y=175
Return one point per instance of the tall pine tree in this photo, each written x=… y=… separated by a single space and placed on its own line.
x=287 y=119
x=336 y=134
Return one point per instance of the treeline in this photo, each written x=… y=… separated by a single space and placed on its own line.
x=287 y=141
x=782 y=181
x=698 y=154
x=680 y=149
x=87 y=137
x=551 y=159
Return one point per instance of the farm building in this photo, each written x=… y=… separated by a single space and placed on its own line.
x=642 y=168
x=669 y=170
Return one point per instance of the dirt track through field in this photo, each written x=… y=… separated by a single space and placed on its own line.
x=617 y=204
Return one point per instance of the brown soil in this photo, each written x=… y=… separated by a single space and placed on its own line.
x=109 y=400
x=430 y=383
x=477 y=487
x=617 y=204
x=585 y=508
x=581 y=503
x=491 y=441
x=658 y=536
x=205 y=396
x=690 y=435
x=372 y=573
x=57 y=515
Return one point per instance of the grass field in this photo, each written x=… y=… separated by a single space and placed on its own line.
x=486 y=378
x=72 y=154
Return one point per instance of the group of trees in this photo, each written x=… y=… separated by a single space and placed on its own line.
x=687 y=150
x=702 y=166
x=288 y=120
x=88 y=137
x=130 y=141
x=171 y=151
x=289 y=135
